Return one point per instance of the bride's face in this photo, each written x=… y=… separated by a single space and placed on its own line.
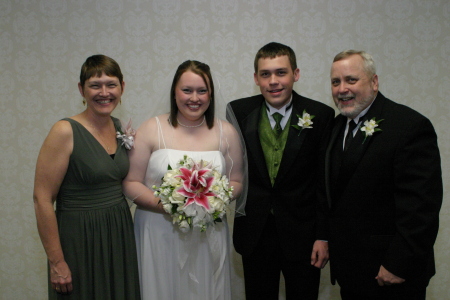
x=192 y=97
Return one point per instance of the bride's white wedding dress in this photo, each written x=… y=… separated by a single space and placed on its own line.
x=174 y=265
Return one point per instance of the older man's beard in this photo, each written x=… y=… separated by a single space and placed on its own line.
x=357 y=107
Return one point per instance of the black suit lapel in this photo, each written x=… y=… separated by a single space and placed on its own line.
x=339 y=126
x=293 y=143
x=251 y=134
x=352 y=157
x=360 y=143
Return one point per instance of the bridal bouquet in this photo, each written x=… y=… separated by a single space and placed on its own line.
x=195 y=194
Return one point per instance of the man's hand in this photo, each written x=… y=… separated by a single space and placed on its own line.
x=387 y=278
x=319 y=255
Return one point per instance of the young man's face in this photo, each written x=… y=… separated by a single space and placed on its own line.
x=275 y=79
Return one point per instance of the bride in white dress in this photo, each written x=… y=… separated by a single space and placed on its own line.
x=174 y=265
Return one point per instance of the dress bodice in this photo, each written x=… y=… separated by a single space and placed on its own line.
x=93 y=179
x=164 y=157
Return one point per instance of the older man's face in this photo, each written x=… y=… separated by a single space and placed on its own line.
x=351 y=87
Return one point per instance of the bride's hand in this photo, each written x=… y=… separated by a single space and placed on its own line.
x=160 y=208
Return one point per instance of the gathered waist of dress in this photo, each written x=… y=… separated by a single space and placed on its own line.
x=83 y=197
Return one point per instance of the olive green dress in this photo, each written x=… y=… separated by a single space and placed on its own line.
x=95 y=223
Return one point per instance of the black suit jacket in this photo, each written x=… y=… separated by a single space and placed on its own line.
x=293 y=197
x=385 y=201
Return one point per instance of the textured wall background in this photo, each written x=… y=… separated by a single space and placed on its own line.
x=44 y=42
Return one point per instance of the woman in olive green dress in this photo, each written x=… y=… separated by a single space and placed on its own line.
x=89 y=240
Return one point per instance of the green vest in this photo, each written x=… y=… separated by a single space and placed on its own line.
x=272 y=145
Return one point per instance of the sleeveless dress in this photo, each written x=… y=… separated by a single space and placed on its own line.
x=95 y=223
x=174 y=265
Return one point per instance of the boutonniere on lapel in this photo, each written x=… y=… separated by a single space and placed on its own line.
x=127 y=136
x=304 y=121
x=370 y=127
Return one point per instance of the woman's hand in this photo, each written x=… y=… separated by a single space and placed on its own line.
x=61 y=277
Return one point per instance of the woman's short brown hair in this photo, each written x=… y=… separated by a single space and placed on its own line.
x=98 y=64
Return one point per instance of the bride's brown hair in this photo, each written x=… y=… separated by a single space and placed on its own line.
x=202 y=70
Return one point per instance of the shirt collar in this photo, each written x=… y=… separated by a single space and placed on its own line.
x=283 y=110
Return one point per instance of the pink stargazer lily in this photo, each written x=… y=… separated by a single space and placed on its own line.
x=196 y=186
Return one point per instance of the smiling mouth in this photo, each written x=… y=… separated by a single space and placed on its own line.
x=103 y=101
x=275 y=91
x=345 y=99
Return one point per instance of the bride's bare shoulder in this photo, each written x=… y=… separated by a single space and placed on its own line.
x=152 y=123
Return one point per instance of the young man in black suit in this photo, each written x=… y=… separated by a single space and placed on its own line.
x=284 y=228
x=384 y=188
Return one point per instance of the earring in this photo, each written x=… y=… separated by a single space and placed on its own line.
x=84 y=102
x=120 y=101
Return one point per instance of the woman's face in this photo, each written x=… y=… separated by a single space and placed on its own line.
x=102 y=93
x=192 y=96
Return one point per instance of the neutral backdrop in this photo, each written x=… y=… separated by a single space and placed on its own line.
x=44 y=42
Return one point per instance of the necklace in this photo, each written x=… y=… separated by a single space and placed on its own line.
x=204 y=118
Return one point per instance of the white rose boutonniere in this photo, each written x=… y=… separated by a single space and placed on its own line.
x=304 y=121
x=370 y=127
x=127 y=136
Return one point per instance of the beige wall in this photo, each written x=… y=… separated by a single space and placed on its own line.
x=44 y=42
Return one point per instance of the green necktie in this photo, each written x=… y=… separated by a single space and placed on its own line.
x=277 y=117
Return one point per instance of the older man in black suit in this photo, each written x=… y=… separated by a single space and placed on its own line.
x=284 y=228
x=384 y=188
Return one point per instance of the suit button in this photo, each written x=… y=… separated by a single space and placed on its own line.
x=275 y=164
